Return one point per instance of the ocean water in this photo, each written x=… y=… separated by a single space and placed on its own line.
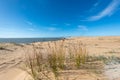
x=27 y=40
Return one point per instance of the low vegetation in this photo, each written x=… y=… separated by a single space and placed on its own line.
x=2 y=48
x=47 y=64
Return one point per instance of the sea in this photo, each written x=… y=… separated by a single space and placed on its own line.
x=27 y=40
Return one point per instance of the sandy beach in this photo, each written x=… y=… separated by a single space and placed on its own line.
x=12 y=57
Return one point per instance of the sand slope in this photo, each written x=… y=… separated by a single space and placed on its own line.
x=13 y=74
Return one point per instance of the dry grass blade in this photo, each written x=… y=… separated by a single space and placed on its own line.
x=56 y=59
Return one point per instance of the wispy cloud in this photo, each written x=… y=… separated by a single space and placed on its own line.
x=82 y=27
x=31 y=29
x=96 y=4
x=108 y=11
x=54 y=24
x=67 y=24
x=29 y=23
x=52 y=28
x=94 y=7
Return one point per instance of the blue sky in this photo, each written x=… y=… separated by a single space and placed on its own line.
x=57 y=18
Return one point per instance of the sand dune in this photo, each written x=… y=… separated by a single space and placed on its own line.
x=13 y=55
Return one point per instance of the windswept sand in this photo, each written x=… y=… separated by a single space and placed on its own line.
x=13 y=56
x=10 y=58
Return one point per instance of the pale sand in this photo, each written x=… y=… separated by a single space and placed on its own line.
x=14 y=74
x=10 y=59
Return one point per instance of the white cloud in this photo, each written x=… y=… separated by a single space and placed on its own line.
x=108 y=11
x=82 y=27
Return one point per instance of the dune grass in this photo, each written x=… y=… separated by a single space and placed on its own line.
x=59 y=55
x=2 y=48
